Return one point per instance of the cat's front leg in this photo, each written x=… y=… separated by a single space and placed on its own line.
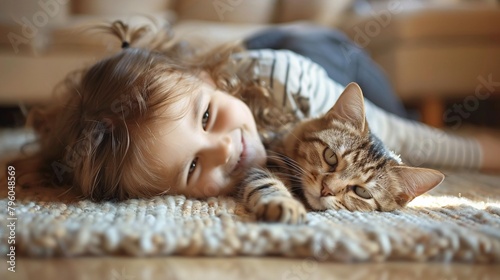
x=267 y=197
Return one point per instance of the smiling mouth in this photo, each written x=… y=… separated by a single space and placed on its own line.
x=241 y=159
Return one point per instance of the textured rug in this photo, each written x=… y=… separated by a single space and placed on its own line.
x=458 y=221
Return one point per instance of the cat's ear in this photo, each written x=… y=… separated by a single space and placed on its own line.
x=350 y=107
x=415 y=181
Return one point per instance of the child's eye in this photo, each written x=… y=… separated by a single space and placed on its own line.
x=192 y=167
x=205 y=118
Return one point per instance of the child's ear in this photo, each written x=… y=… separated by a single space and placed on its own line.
x=350 y=107
x=415 y=181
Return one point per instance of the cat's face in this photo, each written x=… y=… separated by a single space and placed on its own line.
x=342 y=166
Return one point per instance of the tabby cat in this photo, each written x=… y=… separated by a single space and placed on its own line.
x=333 y=162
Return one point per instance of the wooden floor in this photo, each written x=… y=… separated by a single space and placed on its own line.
x=115 y=268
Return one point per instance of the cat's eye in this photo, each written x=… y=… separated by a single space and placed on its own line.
x=361 y=192
x=205 y=118
x=330 y=157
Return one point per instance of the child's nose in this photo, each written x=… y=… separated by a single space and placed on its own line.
x=221 y=151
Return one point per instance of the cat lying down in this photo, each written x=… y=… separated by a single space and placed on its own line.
x=333 y=162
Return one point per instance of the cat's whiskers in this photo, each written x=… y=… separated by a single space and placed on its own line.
x=340 y=205
x=298 y=172
x=290 y=177
x=288 y=163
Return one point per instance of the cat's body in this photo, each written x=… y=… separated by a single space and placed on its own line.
x=333 y=162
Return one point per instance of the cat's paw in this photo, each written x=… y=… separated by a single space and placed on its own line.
x=281 y=209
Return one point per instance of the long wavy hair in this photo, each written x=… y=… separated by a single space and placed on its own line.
x=96 y=137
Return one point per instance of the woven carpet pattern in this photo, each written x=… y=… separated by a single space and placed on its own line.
x=458 y=221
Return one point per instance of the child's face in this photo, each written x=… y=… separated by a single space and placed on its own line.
x=204 y=152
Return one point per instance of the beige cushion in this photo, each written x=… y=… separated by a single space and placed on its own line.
x=451 y=70
x=203 y=33
x=323 y=12
x=38 y=13
x=437 y=23
x=73 y=34
x=227 y=11
x=208 y=33
x=24 y=24
x=119 y=7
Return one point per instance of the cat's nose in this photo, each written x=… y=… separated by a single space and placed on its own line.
x=326 y=191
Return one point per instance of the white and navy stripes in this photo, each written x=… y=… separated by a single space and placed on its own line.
x=293 y=77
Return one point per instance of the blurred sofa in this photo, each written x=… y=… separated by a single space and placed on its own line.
x=431 y=49
x=41 y=41
x=435 y=52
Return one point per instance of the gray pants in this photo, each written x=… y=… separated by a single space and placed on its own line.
x=338 y=55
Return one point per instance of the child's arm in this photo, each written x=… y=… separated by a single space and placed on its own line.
x=303 y=86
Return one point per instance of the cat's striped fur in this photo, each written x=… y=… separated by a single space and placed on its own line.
x=333 y=162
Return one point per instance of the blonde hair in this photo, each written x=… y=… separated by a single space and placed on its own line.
x=97 y=137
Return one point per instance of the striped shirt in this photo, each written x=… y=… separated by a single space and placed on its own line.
x=304 y=87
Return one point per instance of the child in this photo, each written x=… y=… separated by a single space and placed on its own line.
x=168 y=119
